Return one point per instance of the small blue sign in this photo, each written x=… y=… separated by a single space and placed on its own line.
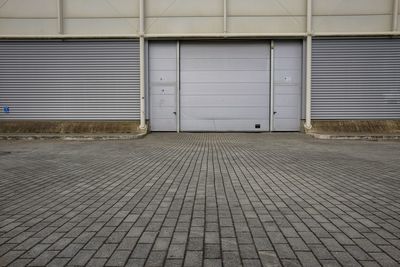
x=6 y=109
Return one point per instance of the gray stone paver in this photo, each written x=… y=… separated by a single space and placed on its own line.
x=200 y=199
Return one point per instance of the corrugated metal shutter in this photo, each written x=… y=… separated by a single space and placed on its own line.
x=356 y=79
x=70 y=80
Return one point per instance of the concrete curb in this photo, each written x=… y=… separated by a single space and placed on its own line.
x=368 y=137
x=73 y=137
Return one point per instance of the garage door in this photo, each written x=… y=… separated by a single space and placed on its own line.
x=356 y=79
x=224 y=86
x=69 y=80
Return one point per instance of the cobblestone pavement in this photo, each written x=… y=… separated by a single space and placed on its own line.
x=200 y=199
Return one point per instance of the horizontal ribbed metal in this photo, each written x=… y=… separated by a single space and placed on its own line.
x=70 y=80
x=356 y=79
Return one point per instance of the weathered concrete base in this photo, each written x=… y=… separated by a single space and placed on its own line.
x=69 y=127
x=73 y=137
x=357 y=136
x=356 y=126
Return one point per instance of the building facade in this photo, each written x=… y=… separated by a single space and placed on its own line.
x=211 y=65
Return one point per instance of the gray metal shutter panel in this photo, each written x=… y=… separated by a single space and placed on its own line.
x=356 y=79
x=70 y=80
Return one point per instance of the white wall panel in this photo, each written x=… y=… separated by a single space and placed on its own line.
x=266 y=24
x=29 y=8
x=266 y=7
x=352 y=7
x=184 y=25
x=398 y=23
x=101 y=26
x=28 y=26
x=176 y=8
x=364 y=23
x=101 y=8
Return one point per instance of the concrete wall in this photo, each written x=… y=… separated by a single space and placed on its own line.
x=98 y=17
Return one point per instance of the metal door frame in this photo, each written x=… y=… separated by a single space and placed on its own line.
x=178 y=86
x=271 y=86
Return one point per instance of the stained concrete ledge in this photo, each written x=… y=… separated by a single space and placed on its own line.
x=352 y=127
x=73 y=137
x=356 y=136
x=37 y=127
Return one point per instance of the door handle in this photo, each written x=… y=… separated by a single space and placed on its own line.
x=174 y=112
x=275 y=112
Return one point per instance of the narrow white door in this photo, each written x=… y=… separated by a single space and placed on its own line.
x=162 y=86
x=287 y=86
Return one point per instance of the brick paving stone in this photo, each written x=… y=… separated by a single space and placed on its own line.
x=269 y=258
x=291 y=263
x=284 y=251
x=9 y=257
x=358 y=253
x=345 y=259
x=307 y=259
x=43 y=258
x=35 y=251
x=392 y=252
x=231 y=259
x=173 y=263
x=81 y=258
x=94 y=262
x=211 y=199
x=330 y=263
x=366 y=245
x=212 y=263
x=105 y=251
x=136 y=262
x=156 y=258
x=118 y=258
x=309 y=237
x=369 y=263
x=298 y=244
x=262 y=244
x=176 y=251
x=193 y=258
x=384 y=259
x=229 y=244
x=56 y=262
x=251 y=263
x=212 y=251
x=21 y=263
x=95 y=243
x=331 y=244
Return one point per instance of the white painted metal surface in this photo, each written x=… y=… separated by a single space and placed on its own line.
x=307 y=124
x=224 y=86
x=163 y=85
x=121 y=17
x=287 y=85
